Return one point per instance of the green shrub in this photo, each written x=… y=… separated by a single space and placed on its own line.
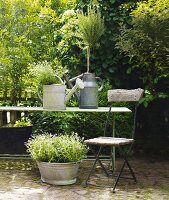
x=62 y=149
x=51 y=122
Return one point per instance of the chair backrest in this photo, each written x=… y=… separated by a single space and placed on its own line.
x=124 y=95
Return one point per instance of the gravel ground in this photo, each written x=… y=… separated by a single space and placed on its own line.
x=20 y=179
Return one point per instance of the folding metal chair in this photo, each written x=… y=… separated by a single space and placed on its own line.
x=116 y=95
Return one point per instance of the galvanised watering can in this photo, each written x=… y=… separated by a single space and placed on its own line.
x=88 y=97
x=55 y=95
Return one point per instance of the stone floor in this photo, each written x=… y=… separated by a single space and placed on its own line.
x=20 y=179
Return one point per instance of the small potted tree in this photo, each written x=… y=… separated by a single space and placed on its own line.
x=57 y=157
x=90 y=30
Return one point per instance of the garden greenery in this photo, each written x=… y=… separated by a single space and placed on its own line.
x=147 y=44
x=60 y=149
x=39 y=30
x=131 y=55
x=27 y=29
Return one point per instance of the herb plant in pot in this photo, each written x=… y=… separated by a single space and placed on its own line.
x=90 y=30
x=57 y=157
x=46 y=83
x=54 y=89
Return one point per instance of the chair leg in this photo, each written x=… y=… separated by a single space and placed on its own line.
x=118 y=177
x=94 y=164
x=99 y=161
x=131 y=171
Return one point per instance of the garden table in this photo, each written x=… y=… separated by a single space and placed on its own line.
x=68 y=109
x=114 y=110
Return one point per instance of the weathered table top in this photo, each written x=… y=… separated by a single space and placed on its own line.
x=68 y=109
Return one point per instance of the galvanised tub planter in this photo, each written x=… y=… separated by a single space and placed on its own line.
x=58 y=173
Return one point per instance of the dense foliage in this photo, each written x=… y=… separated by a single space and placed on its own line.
x=35 y=31
x=147 y=44
x=27 y=36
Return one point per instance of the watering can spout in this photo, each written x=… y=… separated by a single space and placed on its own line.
x=78 y=85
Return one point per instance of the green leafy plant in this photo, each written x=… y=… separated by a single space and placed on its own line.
x=23 y=122
x=62 y=149
x=91 y=28
x=44 y=74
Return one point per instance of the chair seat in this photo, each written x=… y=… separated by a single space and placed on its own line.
x=108 y=141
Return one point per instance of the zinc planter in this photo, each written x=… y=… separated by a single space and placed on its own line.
x=58 y=173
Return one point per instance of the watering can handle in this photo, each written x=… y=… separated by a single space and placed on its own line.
x=38 y=90
x=61 y=81
x=73 y=79
x=102 y=83
x=38 y=93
